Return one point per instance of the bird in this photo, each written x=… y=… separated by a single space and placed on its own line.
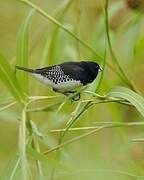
x=66 y=77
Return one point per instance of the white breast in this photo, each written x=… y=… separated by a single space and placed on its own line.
x=43 y=79
x=67 y=86
x=62 y=86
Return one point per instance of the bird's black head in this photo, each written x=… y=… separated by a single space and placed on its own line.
x=92 y=68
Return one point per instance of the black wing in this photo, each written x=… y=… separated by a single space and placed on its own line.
x=46 y=72
x=75 y=71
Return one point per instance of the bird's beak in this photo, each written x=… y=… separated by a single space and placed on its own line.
x=100 y=69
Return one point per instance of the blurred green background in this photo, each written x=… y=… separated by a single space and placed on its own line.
x=110 y=153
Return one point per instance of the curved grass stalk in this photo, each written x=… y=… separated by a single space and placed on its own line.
x=87 y=106
x=52 y=45
x=122 y=74
x=14 y=170
x=36 y=98
x=138 y=140
x=22 y=144
x=40 y=31
x=61 y=105
x=77 y=26
x=8 y=106
x=38 y=163
x=22 y=57
x=97 y=129
x=98 y=124
x=103 y=69
x=51 y=107
x=10 y=81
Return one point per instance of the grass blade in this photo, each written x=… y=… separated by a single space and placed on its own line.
x=7 y=106
x=129 y=95
x=102 y=73
x=121 y=72
x=23 y=49
x=14 y=169
x=22 y=145
x=53 y=42
x=42 y=158
x=8 y=77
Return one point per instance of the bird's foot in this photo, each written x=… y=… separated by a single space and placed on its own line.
x=76 y=97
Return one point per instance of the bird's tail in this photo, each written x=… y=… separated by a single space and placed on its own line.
x=24 y=69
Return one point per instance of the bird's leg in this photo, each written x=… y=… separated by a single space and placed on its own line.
x=70 y=92
x=67 y=93
x=64 y=93
x=56 y=90
x=75 y=98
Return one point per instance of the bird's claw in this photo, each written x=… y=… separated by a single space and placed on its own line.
x=76 y=97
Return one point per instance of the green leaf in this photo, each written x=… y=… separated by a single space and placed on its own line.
x=23 y=49
x=8 y=77
x=129 y=95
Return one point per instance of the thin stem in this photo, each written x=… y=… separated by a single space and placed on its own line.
x=77 y=26
x=8 y=106
x=72 y=140
x=138 y=140
x=51 y=49
x=115 y=61
x=98 y=125
x=36 y=98
x=88 y=105
x=97 y=129
x=38 y=163
x=112 y=101
x=103 y=70
x=22 y=144
x=74 y=129
x=14 y=170
x=74 y=118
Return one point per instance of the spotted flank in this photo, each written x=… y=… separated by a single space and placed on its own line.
x=56 y=78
